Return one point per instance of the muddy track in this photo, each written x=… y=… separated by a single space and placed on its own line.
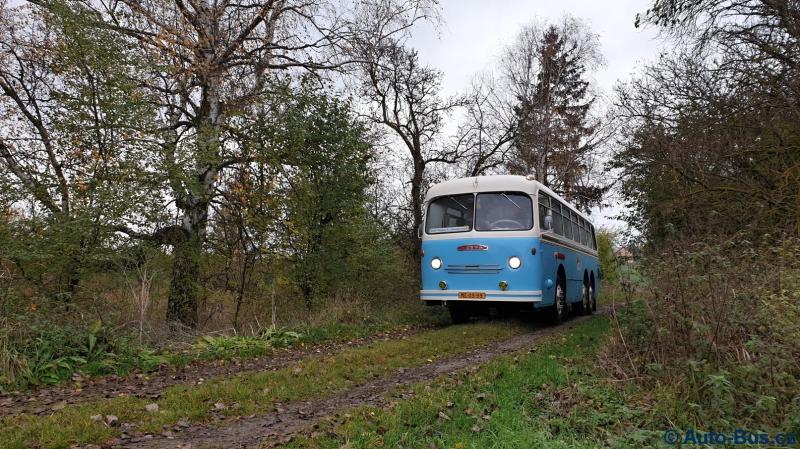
x=291 y=419
x=151 y=385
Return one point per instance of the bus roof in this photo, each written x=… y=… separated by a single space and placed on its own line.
x=495 y=183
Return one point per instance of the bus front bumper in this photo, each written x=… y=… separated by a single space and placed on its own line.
x=519 y=296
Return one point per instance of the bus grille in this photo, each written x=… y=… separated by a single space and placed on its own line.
x=473 y=269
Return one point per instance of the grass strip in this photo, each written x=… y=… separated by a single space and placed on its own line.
x=249 y=393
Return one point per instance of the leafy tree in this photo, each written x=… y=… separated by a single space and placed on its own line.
x=70 y=145
x=709 y=138
x=609 y=265
x=325 y=155
x=703 y=149
x=207 y=66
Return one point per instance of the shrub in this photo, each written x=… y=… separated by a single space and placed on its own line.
x=718 y=330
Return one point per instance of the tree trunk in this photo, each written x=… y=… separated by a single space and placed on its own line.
x=416 y=204
x=184 y=288
x=182 y=303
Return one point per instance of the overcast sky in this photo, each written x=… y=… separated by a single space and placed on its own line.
x=474 y=33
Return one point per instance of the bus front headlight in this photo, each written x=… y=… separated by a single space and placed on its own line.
x=514 y=262
x=436 y=263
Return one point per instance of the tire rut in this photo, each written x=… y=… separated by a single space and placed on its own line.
x=291 y=419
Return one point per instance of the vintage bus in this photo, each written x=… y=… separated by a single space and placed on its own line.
x=506 y=242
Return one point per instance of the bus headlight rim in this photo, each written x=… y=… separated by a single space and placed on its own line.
x=514 y=262
x=436 y=263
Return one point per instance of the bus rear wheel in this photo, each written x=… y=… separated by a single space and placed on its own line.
x=558 y=311
x=459 y=314
x=586 y=300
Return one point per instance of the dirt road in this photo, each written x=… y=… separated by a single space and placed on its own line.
x=292 y=419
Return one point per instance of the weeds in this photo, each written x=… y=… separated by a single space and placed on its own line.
x=244 y=346
x=52 y=354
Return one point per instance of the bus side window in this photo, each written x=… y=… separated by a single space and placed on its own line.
x=576 y=227
x=587 y=234
x=584 y=240
x=557 y=217
x=567 y=223
x=544 y=210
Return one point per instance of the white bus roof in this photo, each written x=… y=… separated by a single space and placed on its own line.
x=496 y=183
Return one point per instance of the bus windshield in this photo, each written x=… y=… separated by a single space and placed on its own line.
x=451 y=213
x=503 y=211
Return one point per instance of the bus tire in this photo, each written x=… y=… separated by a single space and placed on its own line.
x=558 y=311
x=458 y=313
x=592 y=299
x=586 y=301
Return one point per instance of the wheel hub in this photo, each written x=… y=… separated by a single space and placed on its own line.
x=559 y=299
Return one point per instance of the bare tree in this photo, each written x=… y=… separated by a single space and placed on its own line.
x=404 y=97
x=488 y=129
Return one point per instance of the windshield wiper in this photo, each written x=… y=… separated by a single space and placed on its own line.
x=512 y=201
x=456 y=201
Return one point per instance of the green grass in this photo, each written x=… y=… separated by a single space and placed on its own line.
x=250 y=393
x=552 y=397
x=505 y=404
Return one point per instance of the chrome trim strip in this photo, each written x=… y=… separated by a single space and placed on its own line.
x=488 y=292
x=557 y=240
x=488 y=298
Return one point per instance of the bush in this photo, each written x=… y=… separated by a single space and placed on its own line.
x=718 y=331
x=48 y=353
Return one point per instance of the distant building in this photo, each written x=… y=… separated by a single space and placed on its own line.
x=624 y=255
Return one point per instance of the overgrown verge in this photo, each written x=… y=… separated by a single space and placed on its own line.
x=45 y=354
x=245 y=394
x=715 y=338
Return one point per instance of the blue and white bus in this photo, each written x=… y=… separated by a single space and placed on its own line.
x=506 y=242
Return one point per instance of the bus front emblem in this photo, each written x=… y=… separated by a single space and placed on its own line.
x=473 y=248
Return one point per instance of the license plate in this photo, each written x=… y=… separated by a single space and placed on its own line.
x=471 y=295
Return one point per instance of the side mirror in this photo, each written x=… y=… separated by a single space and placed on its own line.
x=419 y=231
